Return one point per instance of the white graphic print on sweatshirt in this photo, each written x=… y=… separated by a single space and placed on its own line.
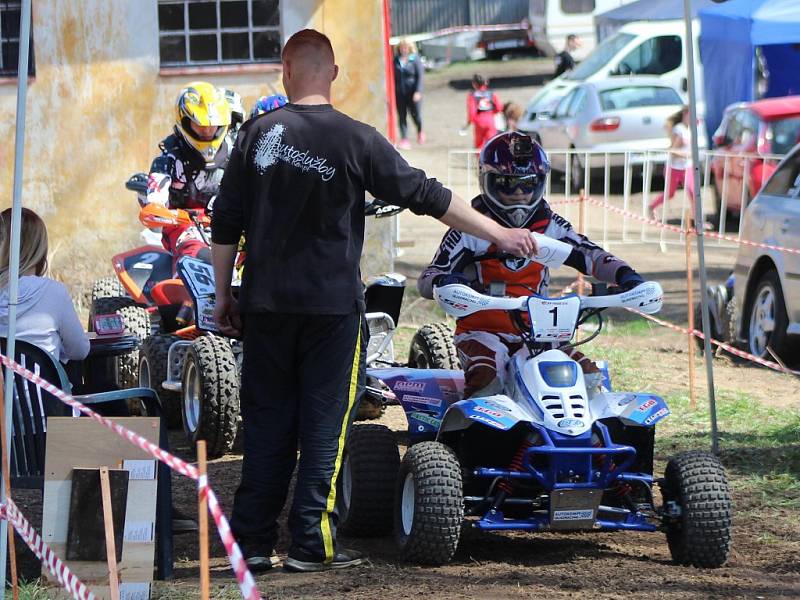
x=269 y=149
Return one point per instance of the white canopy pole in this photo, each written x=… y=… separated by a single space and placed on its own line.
x=13 y=267
x=698 y=222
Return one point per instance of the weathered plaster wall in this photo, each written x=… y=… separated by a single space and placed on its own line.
x=98 y=107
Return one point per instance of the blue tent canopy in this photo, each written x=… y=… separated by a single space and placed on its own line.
x=730 y=34
x=652 y=10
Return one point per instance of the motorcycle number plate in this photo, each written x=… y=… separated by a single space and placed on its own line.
x=553 y=319
x=108 y=324
x=574 y=508
x=198 y=275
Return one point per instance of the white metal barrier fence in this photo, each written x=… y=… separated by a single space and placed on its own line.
x=630 y=181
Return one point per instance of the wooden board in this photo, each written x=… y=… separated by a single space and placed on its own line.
x=86 y=538
x=84 y=443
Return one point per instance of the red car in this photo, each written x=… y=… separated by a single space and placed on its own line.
x=765 y=127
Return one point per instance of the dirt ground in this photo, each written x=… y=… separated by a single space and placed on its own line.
x=517 y=565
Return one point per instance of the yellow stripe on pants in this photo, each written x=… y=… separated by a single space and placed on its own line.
x=325 y=523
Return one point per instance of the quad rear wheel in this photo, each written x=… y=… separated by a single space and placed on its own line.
x=698 y=510
x=429 y=504
x=432 y=348
x=367 y=480
x=154 y=370
x=137 y=322
x=210 y=394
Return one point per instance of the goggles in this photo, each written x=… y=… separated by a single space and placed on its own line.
x=507 y=184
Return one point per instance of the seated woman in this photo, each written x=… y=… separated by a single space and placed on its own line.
x=46 y=316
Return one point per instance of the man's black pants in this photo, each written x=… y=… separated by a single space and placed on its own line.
x=301 y=378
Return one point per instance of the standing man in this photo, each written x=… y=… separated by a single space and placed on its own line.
x=564 y=60
x=295 y=185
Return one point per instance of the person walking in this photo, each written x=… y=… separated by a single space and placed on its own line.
x=408 y=73
x=564 y=59
x=482 y=106
x=296 y=184
x=680 y=167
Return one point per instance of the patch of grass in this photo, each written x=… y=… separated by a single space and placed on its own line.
x=33 y=590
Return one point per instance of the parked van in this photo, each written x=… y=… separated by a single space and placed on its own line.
x=654 y=49
x=553 y=20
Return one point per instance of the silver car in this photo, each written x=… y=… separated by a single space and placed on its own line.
x=767 y=282
x=607 y=116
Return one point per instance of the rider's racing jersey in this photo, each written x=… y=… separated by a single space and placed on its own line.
x=180 y=177
x=521 y=276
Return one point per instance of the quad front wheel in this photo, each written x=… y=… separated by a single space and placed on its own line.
x=429 y=504
x=210 y=394
x=366 y=482
x=697 y=507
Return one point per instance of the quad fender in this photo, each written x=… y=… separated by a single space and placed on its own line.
x=498 y=412
x=424 y=394
x=644 y=410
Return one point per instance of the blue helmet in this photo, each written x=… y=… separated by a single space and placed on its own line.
x=267 y=104
x=513 y=173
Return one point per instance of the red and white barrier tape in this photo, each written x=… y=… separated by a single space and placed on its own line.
x=621 y=211
x=65 y=577
x=247 y=584
x=723 y=345
x=676 y=229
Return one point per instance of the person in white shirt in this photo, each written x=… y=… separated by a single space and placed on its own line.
x=680 y=174
x=46 y=316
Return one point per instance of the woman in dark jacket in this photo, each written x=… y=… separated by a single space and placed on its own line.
x=408 y=90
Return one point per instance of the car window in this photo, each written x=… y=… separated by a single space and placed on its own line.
x=578 y=102
x=784 y=133
x=577 y=7
x=734 y=131
x=546 y=100
x=786 y=180
x=563 y=106
x=747 y=127
x=599 y=57
x=636 y=96
x=655 y=56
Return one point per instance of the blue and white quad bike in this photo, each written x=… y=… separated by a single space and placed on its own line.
x=556 y=450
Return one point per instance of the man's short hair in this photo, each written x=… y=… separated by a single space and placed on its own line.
x=308 y=37
x=571 y=37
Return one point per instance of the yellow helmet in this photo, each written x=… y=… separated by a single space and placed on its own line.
x=204 y=105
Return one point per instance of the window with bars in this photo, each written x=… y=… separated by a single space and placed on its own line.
x=9 y=40
x=218 y=32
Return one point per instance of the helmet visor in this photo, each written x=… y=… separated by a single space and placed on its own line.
x=509 y=184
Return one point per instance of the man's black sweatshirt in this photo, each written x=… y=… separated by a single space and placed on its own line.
x=295 y=185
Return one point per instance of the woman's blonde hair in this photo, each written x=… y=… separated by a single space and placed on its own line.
x=33 y=247
x=412 y=47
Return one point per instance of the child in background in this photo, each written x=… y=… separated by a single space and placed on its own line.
x=680 y=175
x=512 y=113
x=482 y=106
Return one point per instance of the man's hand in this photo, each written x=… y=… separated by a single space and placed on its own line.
x=226 y=316
x=518 y=242
x=416 y=97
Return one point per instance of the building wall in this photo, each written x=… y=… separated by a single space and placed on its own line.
x=99 y=105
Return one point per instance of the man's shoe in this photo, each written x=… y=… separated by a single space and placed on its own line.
x=300 y=561
x=404 y=144
x=182 y=523
x=258 y=557
x=421 y=138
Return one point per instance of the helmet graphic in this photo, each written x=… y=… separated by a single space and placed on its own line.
x=236 y=107
x=267 y=104
x=513 y=173
x=202 y=105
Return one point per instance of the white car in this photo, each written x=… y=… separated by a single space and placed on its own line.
x=648 y=49
x=612 y=117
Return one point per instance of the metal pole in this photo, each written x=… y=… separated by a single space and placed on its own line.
x=698 y=219
x=13 y=267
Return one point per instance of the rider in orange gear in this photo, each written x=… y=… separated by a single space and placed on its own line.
x=513 y=172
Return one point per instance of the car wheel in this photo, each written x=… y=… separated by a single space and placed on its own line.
x=766 y=326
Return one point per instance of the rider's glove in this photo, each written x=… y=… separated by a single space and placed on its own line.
x=627 y=278
x=450 y=278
